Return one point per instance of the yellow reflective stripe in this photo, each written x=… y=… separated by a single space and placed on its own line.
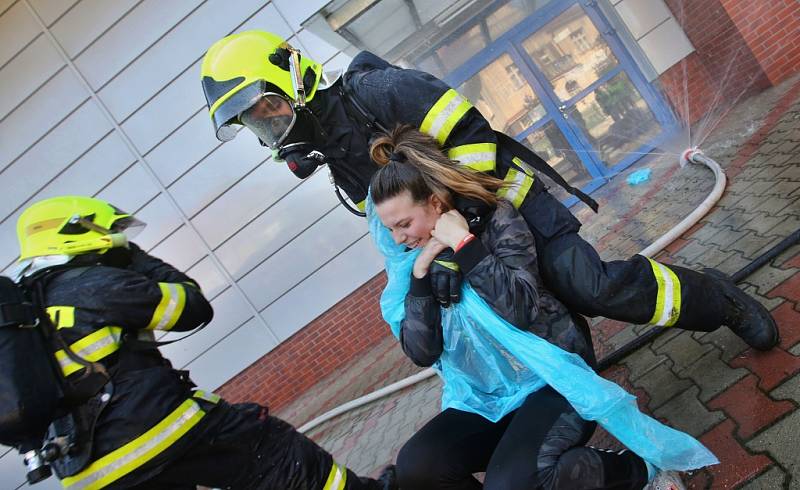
x=450 y=265
x=93 y=347
x=336 y=478
x=62 y=316
x=139 y=451
x=206 y=395
x=443 y=116
x=480 y=157
x=362 y=205
x=668 y=299
x=519 y=183
x=170 y=308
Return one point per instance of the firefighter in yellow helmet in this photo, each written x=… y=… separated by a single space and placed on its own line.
x=256 y=80
x=129 y=419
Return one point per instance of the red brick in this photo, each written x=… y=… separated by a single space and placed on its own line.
x=749 y=407
x=736 y=464
x=794 y=262
x=771 y=367
x=789 y=289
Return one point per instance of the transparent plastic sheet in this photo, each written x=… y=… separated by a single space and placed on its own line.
x=489 y=366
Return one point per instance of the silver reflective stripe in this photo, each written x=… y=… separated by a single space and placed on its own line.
x=172 y=305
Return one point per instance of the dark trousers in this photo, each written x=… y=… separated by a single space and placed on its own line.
x=625 y=290
x=241 y=447
x=539 y=445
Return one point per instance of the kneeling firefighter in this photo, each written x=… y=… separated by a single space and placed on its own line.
x=257 y=80
x=106 y=409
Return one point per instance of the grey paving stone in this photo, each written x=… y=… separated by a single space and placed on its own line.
x=692 y=251
x=780 y=441
x=752 y=245
x=791 y=173
x=734 y=263
x=717 y=216
x=788 y=390
x=769 y=303
x=727 y=236
x=795 y=351
x=770 y=172
x=777 y=206
x=762 y=223
x=711 y=374
x=665 y=337
x=789 y=225
x=661 y=384
x=787 y=254
x=787 y=147
x=767 y=277
x=704 y=233
x=684 y=350
x=685 y=412
x=728 y=343
x=642 y=361
x=772 y=478
x=621 y=338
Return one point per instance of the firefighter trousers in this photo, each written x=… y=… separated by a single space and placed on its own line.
x=240 y=446
x=637 y=290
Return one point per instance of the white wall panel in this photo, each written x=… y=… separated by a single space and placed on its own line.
x=209 y=277
x=126 y=41
x=168 y=110
x=244 y=201
x=236 y=352
x=51 y=10
x=666 y=45
x=17 y=29
x=296 y=12
x=86 y=21
x=38 y=114
x=230 y=313
x=162 y=220
x=329 y=285
x=189 y=144
x=52 y=154
x=317 y=49
x=642 y=16
x=130 y=190
x=277 y=226
x=26 y=72
x=182 y=249
x=302 y=256
x=216 y=173
x=170 y=56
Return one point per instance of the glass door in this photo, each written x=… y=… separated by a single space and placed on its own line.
x=568 y=90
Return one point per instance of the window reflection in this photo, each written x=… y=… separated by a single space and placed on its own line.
x=615 y=118
x=503 y=96
x=571 y=52
x=549 y=143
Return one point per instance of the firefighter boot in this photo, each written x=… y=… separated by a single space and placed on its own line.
x=744 y=315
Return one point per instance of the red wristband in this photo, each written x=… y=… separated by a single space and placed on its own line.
x=463 y=242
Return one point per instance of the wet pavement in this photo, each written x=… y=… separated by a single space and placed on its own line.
x=742 y=404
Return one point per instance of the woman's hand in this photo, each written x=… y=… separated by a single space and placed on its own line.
x=451 y=228
x=430 y=251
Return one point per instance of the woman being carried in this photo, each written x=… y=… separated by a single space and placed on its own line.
x=515 y=406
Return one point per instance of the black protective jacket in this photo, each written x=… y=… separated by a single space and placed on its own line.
x=98 y=310
x=394 y=96
x=501 y=266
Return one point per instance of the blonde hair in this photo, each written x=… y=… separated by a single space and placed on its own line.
x=413 y=161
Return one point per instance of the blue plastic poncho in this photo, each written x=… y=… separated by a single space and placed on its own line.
x=489 y=367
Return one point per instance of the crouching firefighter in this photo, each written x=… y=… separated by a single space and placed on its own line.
x=257 y=80
x=116 y=414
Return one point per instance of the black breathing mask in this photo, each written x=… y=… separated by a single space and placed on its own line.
x=300 y=148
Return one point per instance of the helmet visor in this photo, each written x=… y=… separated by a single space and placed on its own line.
x=225 y=115
x=271 y=118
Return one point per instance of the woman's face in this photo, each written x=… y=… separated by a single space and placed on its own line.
x=410 y=222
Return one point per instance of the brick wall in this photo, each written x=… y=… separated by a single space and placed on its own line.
x=332 y=340
x=723 y=67
x=771 y=29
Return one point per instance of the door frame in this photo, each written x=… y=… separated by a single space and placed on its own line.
x=510 y=43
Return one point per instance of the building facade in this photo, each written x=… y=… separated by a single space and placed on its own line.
x=103 y=98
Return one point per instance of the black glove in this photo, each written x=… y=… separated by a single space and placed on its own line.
x=445 y=279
